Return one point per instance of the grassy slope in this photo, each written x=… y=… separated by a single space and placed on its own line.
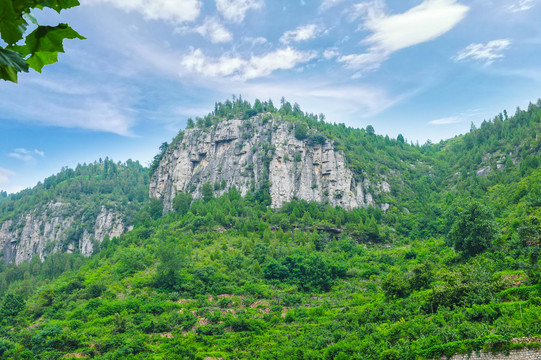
x=230 y=278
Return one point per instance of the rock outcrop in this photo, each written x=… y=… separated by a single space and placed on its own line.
x=56 y=227
x=250 y=153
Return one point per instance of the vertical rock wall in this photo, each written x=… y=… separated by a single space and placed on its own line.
x=244 y=153
x=55 y=227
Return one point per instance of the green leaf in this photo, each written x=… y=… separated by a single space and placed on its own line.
x=44 y=44
x=10 y=64
x=40 y=59
x=13 y=59
x=12 y=24
x=58 y=5
x=8 y=73
x=31 y=18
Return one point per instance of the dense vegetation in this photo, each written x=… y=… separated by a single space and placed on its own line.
x=104 y=182
x=452 y=266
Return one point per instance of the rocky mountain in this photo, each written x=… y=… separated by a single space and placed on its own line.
x=277 y=156
x=264 y=152
x=73 y=211
x=310 y=255
x=41 y=232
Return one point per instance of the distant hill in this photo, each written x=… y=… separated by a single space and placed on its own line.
x=72 y=211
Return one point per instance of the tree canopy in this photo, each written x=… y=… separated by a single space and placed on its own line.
x=473 y=230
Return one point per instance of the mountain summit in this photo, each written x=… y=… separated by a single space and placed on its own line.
x=263 y=154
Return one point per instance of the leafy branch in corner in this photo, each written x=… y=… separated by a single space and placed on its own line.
x=41 y=46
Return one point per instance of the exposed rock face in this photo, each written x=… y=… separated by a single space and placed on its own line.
x=247 y=153
x=54 y=228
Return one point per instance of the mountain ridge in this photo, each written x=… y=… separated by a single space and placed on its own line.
x=451 y=267
x=279 y=155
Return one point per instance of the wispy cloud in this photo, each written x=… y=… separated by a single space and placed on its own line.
x=485 y=53
x=255 y=40
x=5 y=174
x=241 y=68
x=327 y=4
x=301 y=33
x=170 y=10
x=446 y=121
x=26 y=155
x=341 y=103
x=213 y=30
x=331 y=53
x=91 y=106
x=390 y=33
x=235 y=10
x=466 y=115
x=522 y=5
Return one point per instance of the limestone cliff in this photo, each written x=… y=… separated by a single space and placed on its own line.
x=56 y=227
x=248 y=153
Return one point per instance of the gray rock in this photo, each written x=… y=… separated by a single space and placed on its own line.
x=50 y=229
x=241 y=152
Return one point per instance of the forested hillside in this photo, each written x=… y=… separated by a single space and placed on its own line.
x=452 y=266
x=72 y=210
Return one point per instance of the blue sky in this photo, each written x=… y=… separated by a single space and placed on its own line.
x=423 y=68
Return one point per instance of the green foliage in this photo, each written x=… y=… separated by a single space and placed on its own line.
x=370 y=130
x=169 y=266
x=155 y=208
x=301 y=131
x=158 y=157
x=207 y=192
x=41 y=46
x=86 y=188
x=181 y=203
x=396 y=285
x=11 y=306
x=473 y=230
x=310 y=274
x=230 y=277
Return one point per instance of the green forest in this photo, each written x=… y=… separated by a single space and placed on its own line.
x=453 y=266
x=87 y=187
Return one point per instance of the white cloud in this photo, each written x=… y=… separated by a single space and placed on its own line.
x=445 y=121
x=99 y=106
x=5 y=174
x=214 y=31
x=301 y=33
x=522 y=5
x=244 y=69
x=235 y=10
x=26 y=155
x=327 y=4
x=366 y=62
x=38 y=152
x=331 y=53
x=340 y=103
x=177 y=11
x=255 y=40
x=390 y=33
x=486 y=53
